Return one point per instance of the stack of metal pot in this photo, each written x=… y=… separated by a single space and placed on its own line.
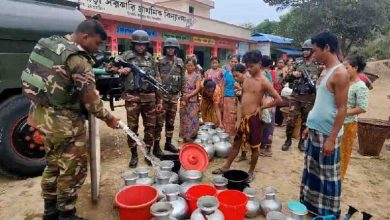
x=253 y=205
x=162 y=179
x=215 y=141
x=180 y=207
x=220 y=183
x=270 y=202
x=167 y=165
x=207 y=209
x=143 y=176
x=191 y=178
x=129 y=178
x=162 y=211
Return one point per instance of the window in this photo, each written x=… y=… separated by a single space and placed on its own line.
x=191 y=9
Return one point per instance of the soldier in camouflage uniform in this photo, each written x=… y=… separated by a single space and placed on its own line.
x=141 y=98
x=172 y=72
x=60 y=83
x=300 y=102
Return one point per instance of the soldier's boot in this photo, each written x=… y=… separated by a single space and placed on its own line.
x=50 y=211
x=69 y=215
x=157 y=152
x=134 y=158
x=147 y=161
x=287 y=144
x=169 y=146
x=301 y=145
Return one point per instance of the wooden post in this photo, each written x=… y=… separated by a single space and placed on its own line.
x=94 y=142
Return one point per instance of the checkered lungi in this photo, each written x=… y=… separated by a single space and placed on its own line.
x=321 y=184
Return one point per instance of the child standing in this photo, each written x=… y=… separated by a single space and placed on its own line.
x=250 y=129
x=210 y=106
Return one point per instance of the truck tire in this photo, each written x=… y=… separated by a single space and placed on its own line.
x=21 y=155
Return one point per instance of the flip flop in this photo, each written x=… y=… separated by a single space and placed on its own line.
x=219 y=171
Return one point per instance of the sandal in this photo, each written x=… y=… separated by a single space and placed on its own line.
x=219 y=171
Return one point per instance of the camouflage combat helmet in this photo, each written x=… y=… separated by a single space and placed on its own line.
x=141 y=37
x=171 y=42
x=307 y=44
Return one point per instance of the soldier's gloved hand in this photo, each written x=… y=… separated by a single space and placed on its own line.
x=112 y=122
x=124 y=71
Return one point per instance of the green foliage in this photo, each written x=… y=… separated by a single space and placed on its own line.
x=377 y=48
x=354 y=21
x=266 y=27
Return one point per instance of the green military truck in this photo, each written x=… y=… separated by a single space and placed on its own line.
x=22 y=24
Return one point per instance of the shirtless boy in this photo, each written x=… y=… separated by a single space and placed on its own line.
x=250 y=129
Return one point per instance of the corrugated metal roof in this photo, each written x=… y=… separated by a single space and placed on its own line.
x=260 y=37
x=290 y=51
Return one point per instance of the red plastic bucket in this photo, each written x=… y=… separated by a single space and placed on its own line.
x=232 y=204
x=197 y=191
x=134 y=202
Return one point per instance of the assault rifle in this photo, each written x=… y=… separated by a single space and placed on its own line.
x=144 y=75
x=305 y=85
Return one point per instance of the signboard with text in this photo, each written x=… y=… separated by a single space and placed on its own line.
x=181 y=37
x=125 y=30
x=137 y=10
x=203 y=40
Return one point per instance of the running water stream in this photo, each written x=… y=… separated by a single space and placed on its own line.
x=139 y=143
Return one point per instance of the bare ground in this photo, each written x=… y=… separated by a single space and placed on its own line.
x=367 y=186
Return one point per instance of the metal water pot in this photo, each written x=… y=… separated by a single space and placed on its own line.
x=167 y=165
x=162 y=211
x=198 y=141
x=253 y=205
x=181 y=174
x=207 y=209
x=223 y=147
x=209 y=125
x=180 y=207
x=270 y=202
x=129 y=178
x=212 y=132
x=275 y=215
x=193 y=177
x=220 y=183
x=162 y=179
x=209 y=147
x=143 y=176
x=215 y=138
x=220 y=132
x=203 y=134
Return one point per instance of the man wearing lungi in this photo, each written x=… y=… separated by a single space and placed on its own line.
x=321 y=185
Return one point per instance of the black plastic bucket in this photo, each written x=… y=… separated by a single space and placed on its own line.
x=174 y=158
x=237 y=179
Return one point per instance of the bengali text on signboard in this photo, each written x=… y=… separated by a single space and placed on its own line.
x=203 y=40
x=137 y=10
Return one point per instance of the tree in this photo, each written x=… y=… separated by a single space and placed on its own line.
x=266 y=27
x=354 y=21
x=248 y=26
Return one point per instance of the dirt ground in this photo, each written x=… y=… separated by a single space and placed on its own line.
x=367 y=186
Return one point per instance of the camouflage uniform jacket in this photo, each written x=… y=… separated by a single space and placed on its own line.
x=135 y=88
x=173 y=77
x=69 y=86
x=311 y=68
